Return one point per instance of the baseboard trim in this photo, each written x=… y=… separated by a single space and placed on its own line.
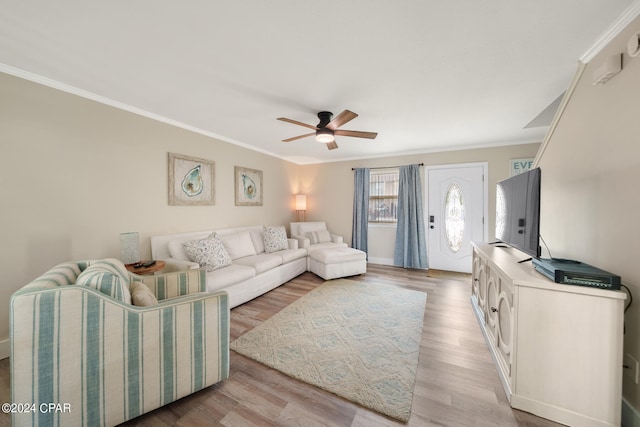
x=5 y=349
x=630 y=416
x=381 y=261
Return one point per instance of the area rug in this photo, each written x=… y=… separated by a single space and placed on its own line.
x=360 y=341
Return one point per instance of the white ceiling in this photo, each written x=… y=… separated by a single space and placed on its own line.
x=426 y=75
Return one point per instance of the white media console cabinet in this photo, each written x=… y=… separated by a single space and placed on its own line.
x=557 y=348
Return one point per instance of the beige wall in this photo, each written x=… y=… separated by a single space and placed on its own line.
x=74 y=174
x=330 y=188
x=590 y=179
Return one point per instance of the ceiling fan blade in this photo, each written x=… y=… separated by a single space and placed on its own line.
x=356 y=133
x=295 y=122
x=342 y=118
x=298 y=137
x=332 y=145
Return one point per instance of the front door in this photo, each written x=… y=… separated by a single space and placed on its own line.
x=456 y=197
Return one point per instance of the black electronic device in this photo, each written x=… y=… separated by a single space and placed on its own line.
x=572 y=272
x=518 y=212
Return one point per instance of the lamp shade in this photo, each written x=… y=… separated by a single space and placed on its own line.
x=301 y=202
x=129 y=248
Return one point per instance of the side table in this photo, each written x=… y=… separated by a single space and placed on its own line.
x=142 y=271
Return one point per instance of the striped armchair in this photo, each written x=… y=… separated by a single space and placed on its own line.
x=82 y=357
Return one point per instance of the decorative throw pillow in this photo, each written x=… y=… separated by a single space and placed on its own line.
x=108 y=276
x=176 y=250
x=208 y=252
x=305 y=227
x=275 y=239
x=238 y=245
x=320 y=236
x=141 y=295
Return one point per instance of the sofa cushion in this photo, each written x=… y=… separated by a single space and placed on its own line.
x=275 y=239
x=141 y=295
x=260 y=263
x=209 y=252
x=337 y=255
x=326 y=245
x=108 y=276
x=320 y=236
x=291 y=255
x=177 y=251
x=238 y=244
x=228 y=276
x=257 y=237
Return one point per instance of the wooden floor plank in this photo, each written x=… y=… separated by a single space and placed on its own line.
x=456 y=385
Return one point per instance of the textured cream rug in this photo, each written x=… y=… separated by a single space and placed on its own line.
x=360 y=341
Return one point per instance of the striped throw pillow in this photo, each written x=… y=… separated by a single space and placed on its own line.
x=108 y=276
x=320 y=236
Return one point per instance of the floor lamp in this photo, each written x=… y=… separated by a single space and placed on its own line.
x=301 y=206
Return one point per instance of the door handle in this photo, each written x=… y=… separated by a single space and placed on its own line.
x=431 y=221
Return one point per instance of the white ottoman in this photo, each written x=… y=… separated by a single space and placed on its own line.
x=331 y=263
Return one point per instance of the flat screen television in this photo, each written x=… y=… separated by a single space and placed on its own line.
x=518 y=212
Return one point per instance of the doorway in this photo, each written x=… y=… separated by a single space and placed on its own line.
x=456 y=210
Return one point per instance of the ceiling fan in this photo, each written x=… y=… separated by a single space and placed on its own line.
x=326 y=130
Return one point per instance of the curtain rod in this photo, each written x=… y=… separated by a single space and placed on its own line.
x=388 y=167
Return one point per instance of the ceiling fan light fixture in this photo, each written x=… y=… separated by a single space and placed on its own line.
x=324 y=135
x=327 y=128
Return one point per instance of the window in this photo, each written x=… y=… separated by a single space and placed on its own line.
x=454 y=217
x=383 y=196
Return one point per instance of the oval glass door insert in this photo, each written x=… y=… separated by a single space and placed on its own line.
x=454 y=217
x=501 y=213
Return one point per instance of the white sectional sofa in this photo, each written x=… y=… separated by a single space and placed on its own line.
x=329 y=257
x=252 y=272
x=299 y=232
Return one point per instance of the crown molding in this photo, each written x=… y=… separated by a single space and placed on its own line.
x=618 y=25
x=45 y=81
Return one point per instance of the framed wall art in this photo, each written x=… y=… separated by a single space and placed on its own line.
x=191 y=181
x=248 y=187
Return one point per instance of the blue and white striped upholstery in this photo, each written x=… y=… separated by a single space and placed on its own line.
x=165 y=286
x=108 y=276
x=108 y=360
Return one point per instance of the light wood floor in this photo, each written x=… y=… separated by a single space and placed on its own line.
x=456 y=385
